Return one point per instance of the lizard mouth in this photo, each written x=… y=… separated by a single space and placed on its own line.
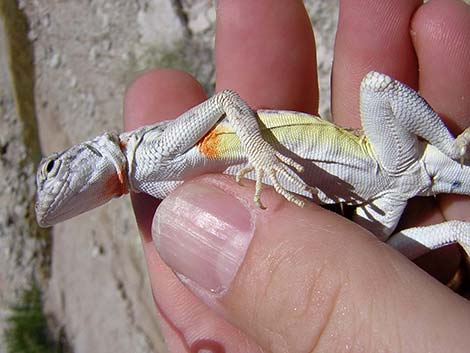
x=49 y=220
x=48 y=201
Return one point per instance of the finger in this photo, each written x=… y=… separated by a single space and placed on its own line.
x=302 y=279
x=158 y=95
x=441 y=36
x=187 y=324
x=372 y=35
x=442 y=41
x=265 y=50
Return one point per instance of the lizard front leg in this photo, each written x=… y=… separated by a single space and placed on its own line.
x=187 y=130
x=262 y=157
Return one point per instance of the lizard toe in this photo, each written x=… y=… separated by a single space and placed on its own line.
x=242 y=172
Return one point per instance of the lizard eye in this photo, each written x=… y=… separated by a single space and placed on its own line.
x=51 y=167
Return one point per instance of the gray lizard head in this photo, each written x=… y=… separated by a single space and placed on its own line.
x=79 y=179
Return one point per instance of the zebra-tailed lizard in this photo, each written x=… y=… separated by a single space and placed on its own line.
x=405 y=150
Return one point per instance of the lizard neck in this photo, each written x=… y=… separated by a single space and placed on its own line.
x=128 y=142
x=115 y=156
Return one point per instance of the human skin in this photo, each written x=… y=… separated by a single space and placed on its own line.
x=310 y=279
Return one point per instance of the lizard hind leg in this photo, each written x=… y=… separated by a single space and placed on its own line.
x=413 y=242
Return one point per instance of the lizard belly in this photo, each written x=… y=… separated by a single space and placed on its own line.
x=339 y=164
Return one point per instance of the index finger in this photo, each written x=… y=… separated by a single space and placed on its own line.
x=372 y=35
x=265 y=50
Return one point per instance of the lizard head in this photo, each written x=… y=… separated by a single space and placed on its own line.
x=80 y=178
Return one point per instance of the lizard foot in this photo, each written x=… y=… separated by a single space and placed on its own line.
x=274 y=164
x=462 y=142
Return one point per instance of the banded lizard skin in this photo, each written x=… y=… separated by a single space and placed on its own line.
x=405 y=151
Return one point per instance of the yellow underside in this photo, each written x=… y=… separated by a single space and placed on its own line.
x=284 y=127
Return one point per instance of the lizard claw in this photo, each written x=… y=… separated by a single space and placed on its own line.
x=242 y=172
x=275 y=166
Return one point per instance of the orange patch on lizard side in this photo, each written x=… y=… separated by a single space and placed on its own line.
x=116 y=186
x=122 y=181
x=209 y=144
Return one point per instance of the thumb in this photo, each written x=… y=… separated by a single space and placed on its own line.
x=302 y=279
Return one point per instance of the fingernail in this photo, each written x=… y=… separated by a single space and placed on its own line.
x=203 y=234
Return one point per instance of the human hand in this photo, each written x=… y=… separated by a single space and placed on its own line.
x=301 y=280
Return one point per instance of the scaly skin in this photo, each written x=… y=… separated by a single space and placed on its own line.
x=405 y=151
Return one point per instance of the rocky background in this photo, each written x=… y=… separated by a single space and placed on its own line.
x=64 y=66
